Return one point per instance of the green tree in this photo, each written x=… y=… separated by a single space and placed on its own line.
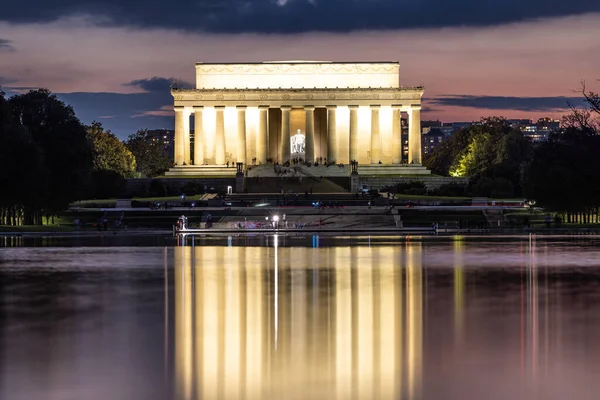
x=491 y=153
x=151 y=157
x=110 y=154
x=443 y=157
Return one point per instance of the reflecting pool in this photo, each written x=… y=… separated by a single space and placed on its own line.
x=301 y=318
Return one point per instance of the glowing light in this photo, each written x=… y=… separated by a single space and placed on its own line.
x=209 y=122
x=342 y=120
x=386 y=118
x=252 y=115
x=364 y=134
x=231 y=133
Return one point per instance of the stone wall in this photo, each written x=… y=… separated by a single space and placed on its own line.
x=136 y=187
x=431 y=182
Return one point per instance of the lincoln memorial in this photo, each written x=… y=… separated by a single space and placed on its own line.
x=277 y=112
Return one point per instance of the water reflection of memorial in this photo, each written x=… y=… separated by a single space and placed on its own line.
x=270 y=322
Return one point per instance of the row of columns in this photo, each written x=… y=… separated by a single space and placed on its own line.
x=182 y=137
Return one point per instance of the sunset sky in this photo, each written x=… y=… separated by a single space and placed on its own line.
x=112 y=60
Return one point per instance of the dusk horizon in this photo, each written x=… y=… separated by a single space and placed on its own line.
x=116 y=64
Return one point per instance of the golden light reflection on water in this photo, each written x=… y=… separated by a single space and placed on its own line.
x=272 y=323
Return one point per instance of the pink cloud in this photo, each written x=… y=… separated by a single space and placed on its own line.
x=536 y=58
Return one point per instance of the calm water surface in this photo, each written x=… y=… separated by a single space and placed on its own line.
x=300 y=318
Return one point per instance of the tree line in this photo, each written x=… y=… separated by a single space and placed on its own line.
x=561 y=175
x=48 y=158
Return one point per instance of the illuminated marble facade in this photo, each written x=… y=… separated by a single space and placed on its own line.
x=347 y=111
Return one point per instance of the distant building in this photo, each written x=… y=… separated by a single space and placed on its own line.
x=538 y=131
x=432 y=139
x=460 y=125
x=166 y=137
x=536 y=136
x=446 y=129
x=519 y=123
x=431 y=124
x=548 y=124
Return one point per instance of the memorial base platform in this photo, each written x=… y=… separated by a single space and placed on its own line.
x=202 y=171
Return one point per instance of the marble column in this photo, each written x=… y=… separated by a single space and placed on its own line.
x=284 y=146
x=353 y=133
x=220 y=136
x=414 y=135
x=198 y=136
x=332 y=148
x=241 y=133
x=179 y=141
x=396 y=135
x=187 y=157
x=310 y=133
x=261 y=148
x=375 y=135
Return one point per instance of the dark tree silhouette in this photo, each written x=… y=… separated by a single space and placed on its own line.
x=46 y=155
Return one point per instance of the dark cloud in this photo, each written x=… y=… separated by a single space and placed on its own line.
x=427 y=109
x=6 y=45
x=290 y=16
x=534 y=104
x=158 y=84
x=6 y=81
x=124 y=114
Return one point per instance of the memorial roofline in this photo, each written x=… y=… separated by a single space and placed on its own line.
x=297 y=62
x=360 y=89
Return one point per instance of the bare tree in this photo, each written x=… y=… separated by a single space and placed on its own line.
x=581 y=118
x=584 y=118
x=593 y=99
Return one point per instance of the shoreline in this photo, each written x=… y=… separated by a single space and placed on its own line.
x=371 y=231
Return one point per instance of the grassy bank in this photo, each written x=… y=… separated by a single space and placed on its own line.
x=37 y=228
